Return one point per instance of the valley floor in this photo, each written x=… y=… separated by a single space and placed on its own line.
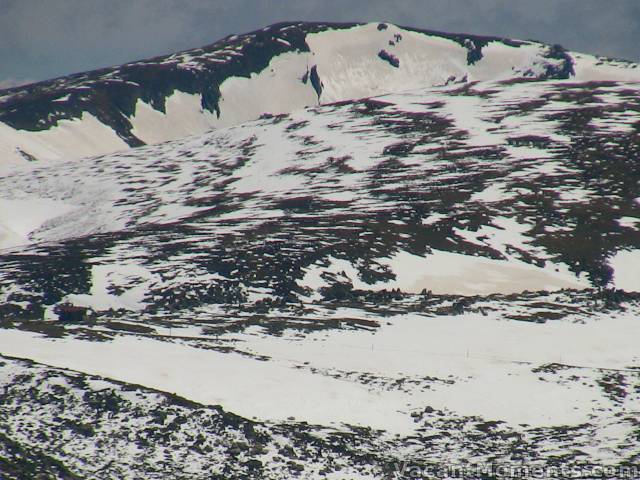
x=345 y=389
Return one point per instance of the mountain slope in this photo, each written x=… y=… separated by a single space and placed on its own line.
x=274 y=70
x=423 y=283
x=404 y=267
x=539 y=179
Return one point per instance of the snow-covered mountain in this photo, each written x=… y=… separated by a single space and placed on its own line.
x=274 y=70
x=443 y=276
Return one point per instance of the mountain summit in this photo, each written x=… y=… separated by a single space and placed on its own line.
x=274 y=70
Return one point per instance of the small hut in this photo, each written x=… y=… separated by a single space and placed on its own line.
x=71 y=313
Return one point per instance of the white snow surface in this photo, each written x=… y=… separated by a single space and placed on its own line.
x=484 y=365
x=450 y=273
x=626 y=270
x=104 y=277
x=19 y=218
x=69 y=139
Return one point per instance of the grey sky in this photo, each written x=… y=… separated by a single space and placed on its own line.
x=46 y=38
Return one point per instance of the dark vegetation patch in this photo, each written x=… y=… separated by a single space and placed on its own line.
x=129 y=327
x=565 y=70
x=316 y=82
x=535 y=141
x=48 y=329
x=551 y=368
x=399 y=149
x=389 y=58
x=614 y=385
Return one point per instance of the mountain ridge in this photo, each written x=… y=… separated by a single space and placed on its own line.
x=276 y=69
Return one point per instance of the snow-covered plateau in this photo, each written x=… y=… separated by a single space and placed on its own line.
x=323 y=251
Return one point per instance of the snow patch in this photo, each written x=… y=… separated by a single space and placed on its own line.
x=626 y=270
x=20 y=218
x=448 y=273
x=69 y=139
x=131 y=282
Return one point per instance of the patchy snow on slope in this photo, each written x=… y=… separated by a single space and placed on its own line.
x=266 y=172
x=618 y=121
x=503 y=234
x=306 y=168
x=449 y=273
